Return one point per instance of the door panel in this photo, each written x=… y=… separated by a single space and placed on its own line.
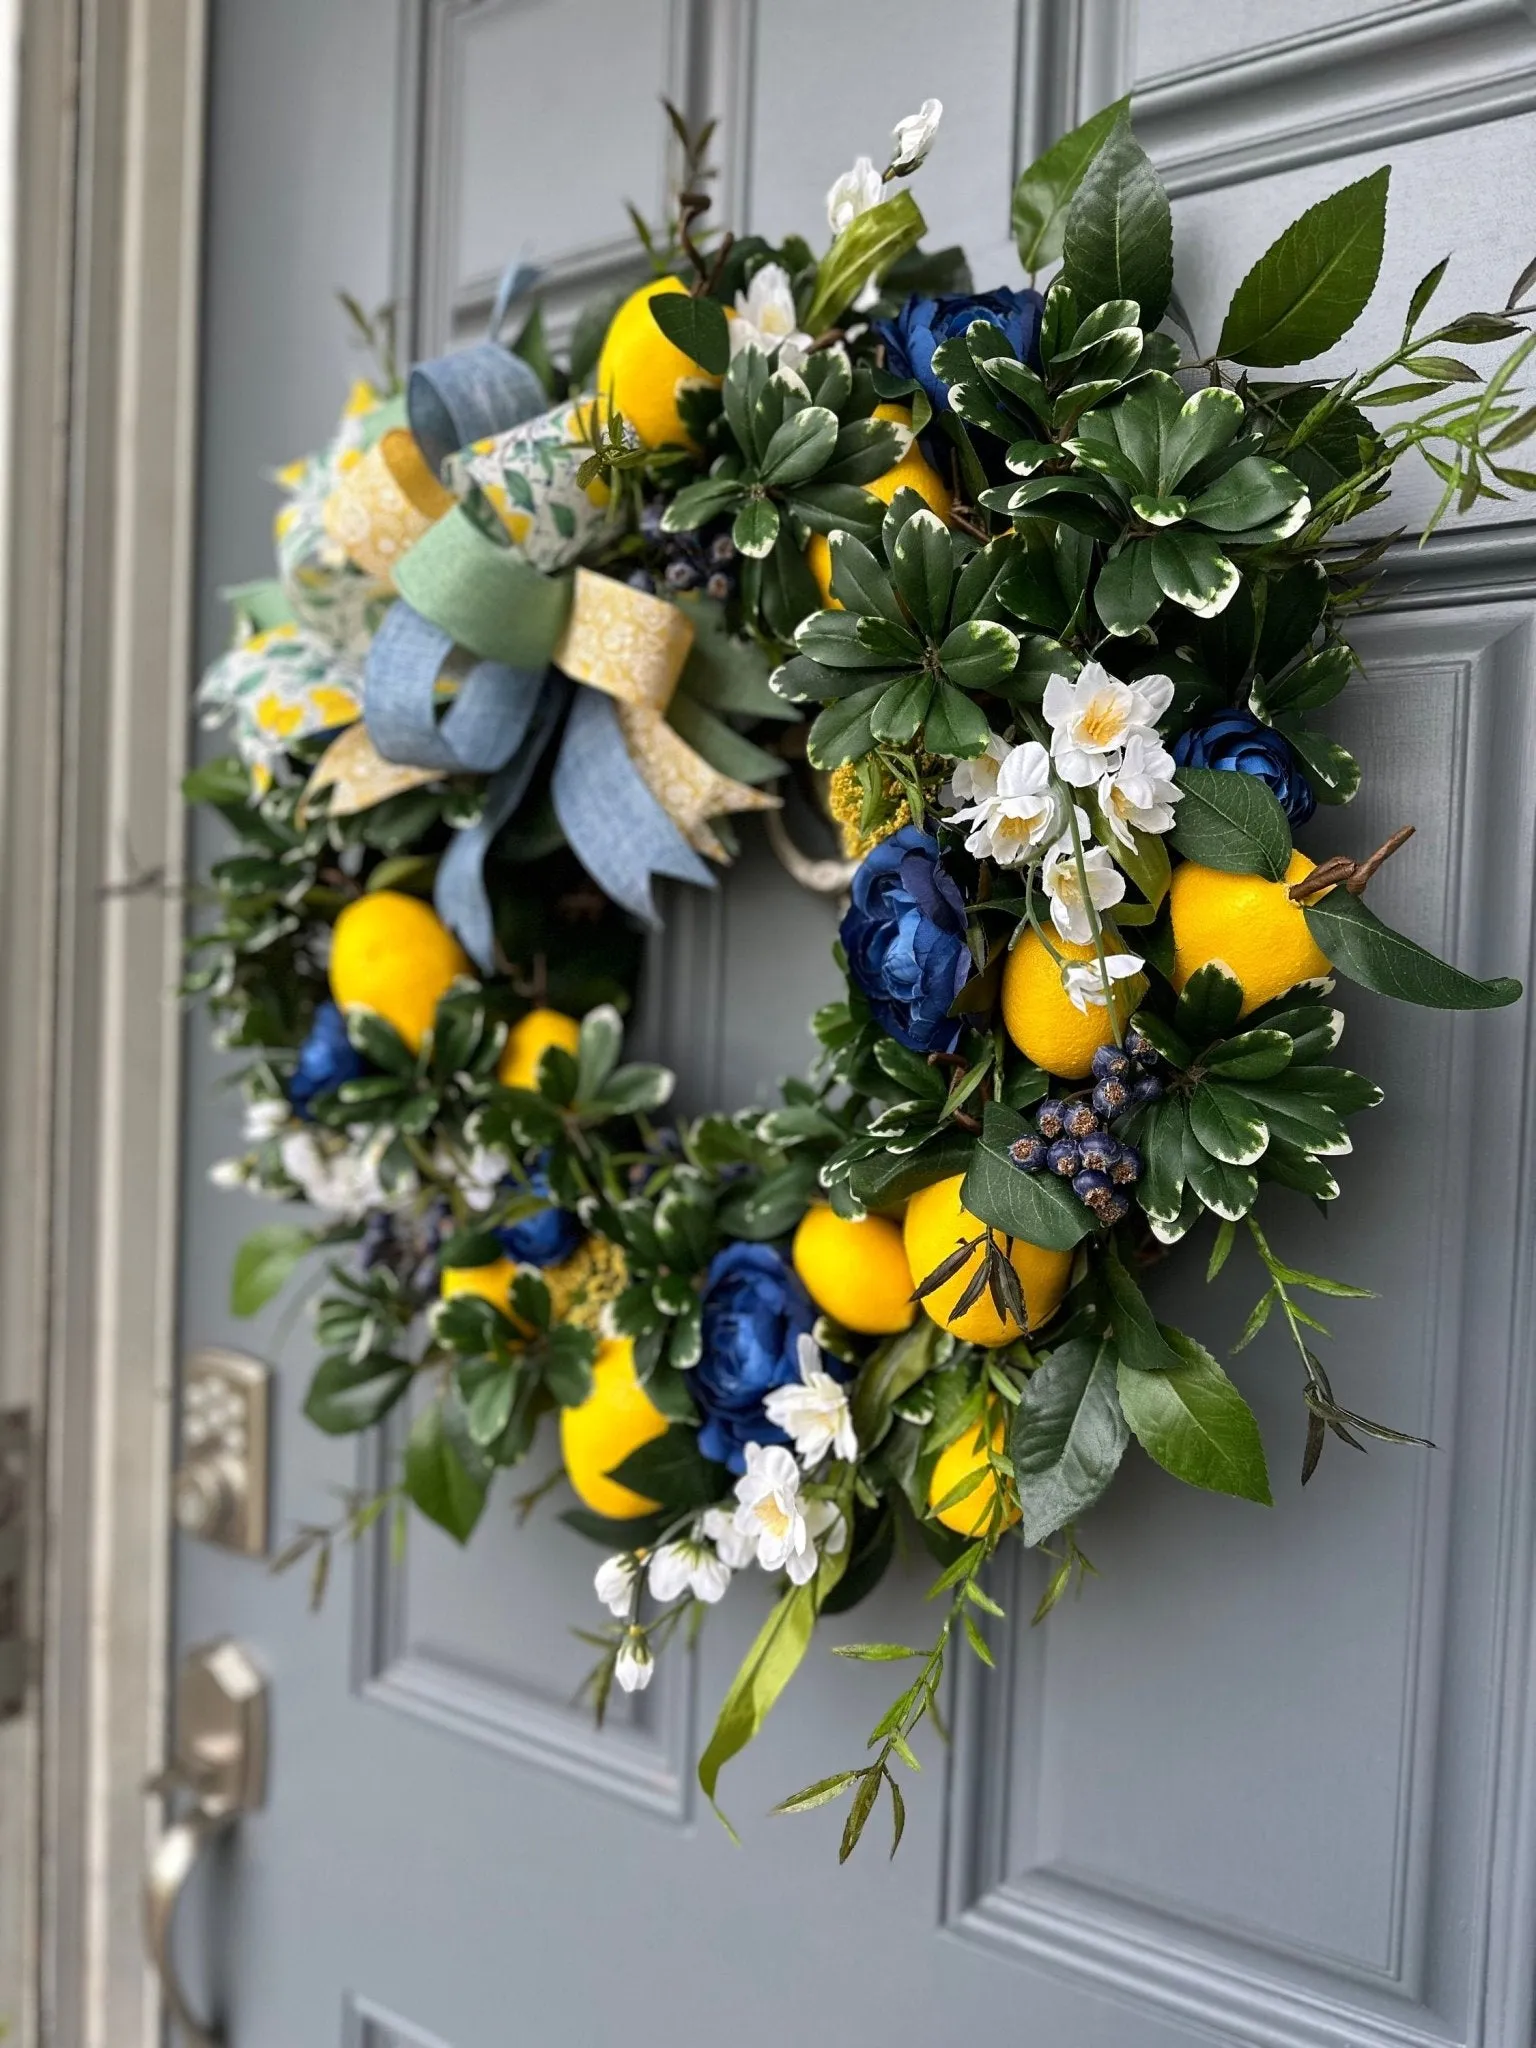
x=1269 y=1780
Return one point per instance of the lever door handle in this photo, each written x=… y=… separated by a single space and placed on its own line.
x=170 y=1865
x=220 y=1760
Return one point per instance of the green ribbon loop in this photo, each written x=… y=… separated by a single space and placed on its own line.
x=489 y=599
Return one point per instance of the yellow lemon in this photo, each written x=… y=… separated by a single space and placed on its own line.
x=914 y=472
x=857 y=1273
x=1251 y=925
x=492 y=1283
x=390 y=954
x=938 y=1224
x=527 y=1042
x=639 y=369
x=1042 y=1019
x=972 y=1515
x=617 y=1417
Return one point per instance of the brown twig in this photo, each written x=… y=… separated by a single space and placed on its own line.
x=728 y=242
x=1343 y=872
x=691 y=206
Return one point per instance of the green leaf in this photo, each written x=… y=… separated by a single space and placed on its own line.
x=893 y=1369
x=672 y=1470
x=1369 y=952
x=860 y=583
x=1251 y=493
x=833 y=639
x=445 y=1475
x=1192 y=570
x=1332 y=770
x=1231 y=821
x=902 y=709
x=1127 y=593
x=597 y=1054
x=1209 y=1004
x=818 y=1794
x=263 y=1263
x=1118 y=239
x=1311 y=683
x=923 y=566
x=1251 y=1056
x=1068 y=1436
x=1138 y=1337
x=1310 y=287
x=800 y=448
x=1195 y=1423
x=767 y=1668
x=957 y=727
x=1226 y=1125
x=348 y=1394
x=380 y=1043
x=1044 y=191
x=842 y=732
x=756 y=528
x=866 y=248
x=978 y=654
x=697 y=326
x=696 y=504
x=1034 y=1206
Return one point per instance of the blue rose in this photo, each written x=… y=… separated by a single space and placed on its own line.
x=755 y=1312
x=548 y=1235
x=904 y=934
x=911 y=338
x=326 y=1059
x=1237 y=740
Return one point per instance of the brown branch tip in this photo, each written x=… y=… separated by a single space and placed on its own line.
x=1341 y=871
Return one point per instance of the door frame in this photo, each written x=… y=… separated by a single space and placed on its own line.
x=102 y=125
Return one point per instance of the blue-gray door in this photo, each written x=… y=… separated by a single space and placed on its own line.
x=1270 y=1780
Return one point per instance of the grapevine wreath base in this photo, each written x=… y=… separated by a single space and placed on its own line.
x=1064 y=596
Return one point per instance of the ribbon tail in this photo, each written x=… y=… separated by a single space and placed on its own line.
x=617 y=829
x=460 y=893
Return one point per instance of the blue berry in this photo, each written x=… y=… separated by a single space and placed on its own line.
x=1112 y=1208
x=1147 y=1089
x=1142 y=1051
x=642 y=579
x=681 y=575
x=1080 y=1120
x=1051 y=1118
x=1031 y=1152
x=1126 y=1168
x=722 y=549
x=1099 y=1152
x=719 y=586
x=1111 y=1064
x=1110 y=1097
x=1089 y=1186
x=1064 y=1158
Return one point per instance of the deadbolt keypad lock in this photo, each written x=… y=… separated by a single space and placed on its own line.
x=222 y=1469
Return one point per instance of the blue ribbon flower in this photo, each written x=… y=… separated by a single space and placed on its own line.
x=1237 y=740
x=904 y=934
x=911 y=338
x=755 y=1312
x=326 y=1059
x=546 y=1237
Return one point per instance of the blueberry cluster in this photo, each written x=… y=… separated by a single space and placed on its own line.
x=684 y=561
x=1072 y=1138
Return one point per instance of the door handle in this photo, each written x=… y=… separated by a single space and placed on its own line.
x=220 y=1763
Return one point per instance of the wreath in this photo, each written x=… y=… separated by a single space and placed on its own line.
x=1049 y=604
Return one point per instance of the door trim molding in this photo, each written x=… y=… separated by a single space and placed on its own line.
x=93 y=701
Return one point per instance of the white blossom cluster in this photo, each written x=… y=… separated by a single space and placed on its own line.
x=1015 y=801
x=775 y=1523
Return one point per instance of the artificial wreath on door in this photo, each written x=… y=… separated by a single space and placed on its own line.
x=1052 y=600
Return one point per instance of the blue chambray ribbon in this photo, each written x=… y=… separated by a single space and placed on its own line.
x=505 y=713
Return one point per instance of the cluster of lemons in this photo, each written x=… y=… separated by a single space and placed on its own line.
x=391 y=954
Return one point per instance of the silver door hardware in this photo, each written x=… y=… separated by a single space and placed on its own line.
x=221 y=1473
x=15 y=1458
x=220 y=1763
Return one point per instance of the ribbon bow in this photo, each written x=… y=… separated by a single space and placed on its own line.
x=476 y=623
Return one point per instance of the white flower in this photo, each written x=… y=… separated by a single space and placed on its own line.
x=227 y=1173
x=765 y=314
x=1084 y=984
x=912 y=137
x=1092 y=717
x=344 y=1180
x=1141 y=791
x=688 y=1566
x=1023 y=814
x=634 y=1666
x=855 y=192
x=481 y=1175
x=971 y=782
x=783 y=1528
x=265 y=1116
x=736 y=1548
x=815 y=1414
x=1058 y=874
x=614 y=1582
